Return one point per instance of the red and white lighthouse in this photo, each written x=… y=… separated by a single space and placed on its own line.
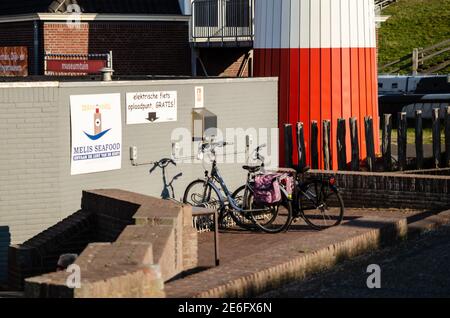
x=324 y=53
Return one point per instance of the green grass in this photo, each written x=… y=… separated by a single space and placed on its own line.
x=411 y=136
x=413 y=24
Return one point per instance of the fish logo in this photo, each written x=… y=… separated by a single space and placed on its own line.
x=98 y=133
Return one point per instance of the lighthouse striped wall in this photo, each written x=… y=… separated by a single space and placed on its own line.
x=324 y=53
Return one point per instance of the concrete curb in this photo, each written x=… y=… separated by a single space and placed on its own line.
x=428 y=224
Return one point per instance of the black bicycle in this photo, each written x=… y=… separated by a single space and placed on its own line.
x=316 y=201
x=212 y=192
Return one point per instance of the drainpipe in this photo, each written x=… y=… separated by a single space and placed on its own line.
x=36 y=46
x=194 y=56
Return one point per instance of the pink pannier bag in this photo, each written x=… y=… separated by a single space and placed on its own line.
x=287 y=182
x=267 y=189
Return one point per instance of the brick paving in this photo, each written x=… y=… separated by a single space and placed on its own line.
x=250 y=261
x=237 y=243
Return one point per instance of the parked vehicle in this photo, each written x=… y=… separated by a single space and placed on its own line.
x=268 y=201
x=212 y=192
x=316 y=201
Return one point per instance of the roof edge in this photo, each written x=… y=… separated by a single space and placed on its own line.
x=86 y=17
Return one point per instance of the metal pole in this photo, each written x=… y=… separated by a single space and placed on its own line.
x=36 y=47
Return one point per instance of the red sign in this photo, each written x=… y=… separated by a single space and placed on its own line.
x=75 y=66
x=14 y=61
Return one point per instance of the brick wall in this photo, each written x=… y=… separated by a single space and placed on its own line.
x=40 y=254
x=226 y=62
x=160 y=244
x=139 y=48
x=391 y=190
x=433 y=172
x=60 y=38
x=36 y=186
x=144 y=48
x=19 y=34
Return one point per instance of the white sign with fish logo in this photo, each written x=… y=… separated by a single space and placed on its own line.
x=96 y=133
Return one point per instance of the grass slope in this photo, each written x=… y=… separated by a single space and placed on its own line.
x=413 y=24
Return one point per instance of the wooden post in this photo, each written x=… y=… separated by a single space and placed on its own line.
x=327 y=162
x=402 y=140
x=419 y=140
x=288 y=145
x=355 y=143
x=370 y=145
x=447 y=136
x=216 y=238
x=436 y=138
x=314 y=145
x=341 y=145
x=386 y=144
x=301 y=149
x=415 y=61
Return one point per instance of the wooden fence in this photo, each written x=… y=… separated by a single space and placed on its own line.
x=424 y=61
x=385 y=162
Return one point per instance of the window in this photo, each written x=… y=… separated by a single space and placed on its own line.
x=238 y=13
x=206 y=13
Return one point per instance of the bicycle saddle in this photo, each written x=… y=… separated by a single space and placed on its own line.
x=252 y=169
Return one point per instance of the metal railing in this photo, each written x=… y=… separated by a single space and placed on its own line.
x=382 y=4
x=218 y=21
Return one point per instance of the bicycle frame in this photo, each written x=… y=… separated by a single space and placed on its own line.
x=297 y=209
x=215 y=176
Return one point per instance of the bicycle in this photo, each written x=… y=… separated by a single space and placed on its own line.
x=207 y=192
x=317 y=202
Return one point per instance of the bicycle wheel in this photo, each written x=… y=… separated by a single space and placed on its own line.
x=321 y=205
x=273 y=218
x=200 y=194
x=243 y=220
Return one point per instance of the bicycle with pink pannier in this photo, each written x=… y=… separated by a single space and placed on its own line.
x=271 y=214
x=316 y=201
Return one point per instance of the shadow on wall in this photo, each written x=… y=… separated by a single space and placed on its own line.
x=5 y=241
x=220 y=62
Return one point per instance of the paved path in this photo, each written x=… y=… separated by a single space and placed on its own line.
x=250 y=261
x=237 y=244
x=416 y=268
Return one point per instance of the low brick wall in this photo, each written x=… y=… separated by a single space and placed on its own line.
x=431 y=172
x=40 y=254
x=140 y=242
x=391 y=190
